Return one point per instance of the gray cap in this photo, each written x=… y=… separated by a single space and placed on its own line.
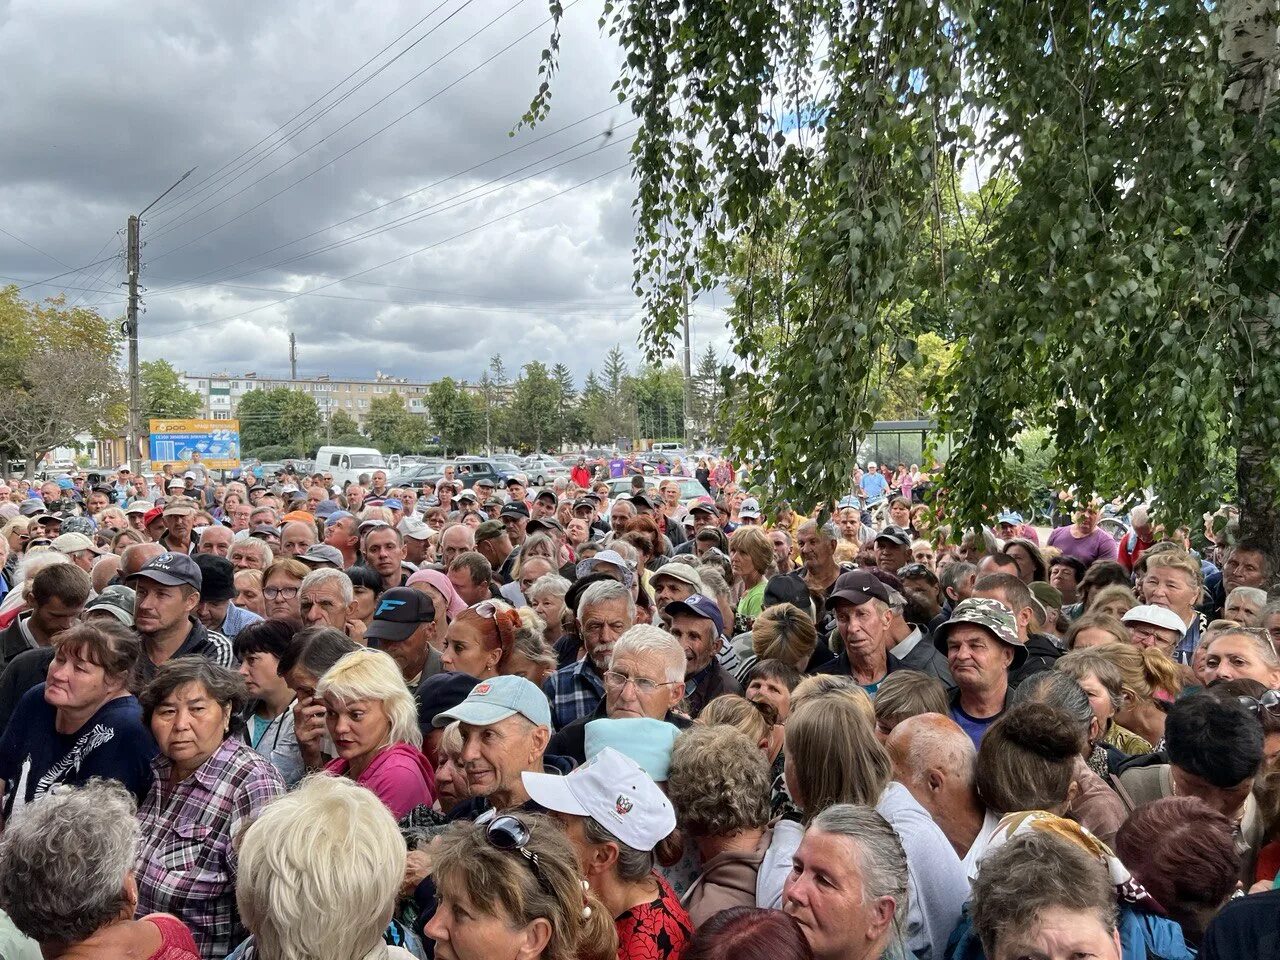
x=319 y=553
x=116 y=600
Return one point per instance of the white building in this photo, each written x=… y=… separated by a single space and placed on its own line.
x=221 y=393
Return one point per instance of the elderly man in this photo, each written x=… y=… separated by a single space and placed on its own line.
x=505 y=725
x=341 y=534
x=296 y=536
x=78 y=548
x=215 y=540
x=416 y=537
x=493 y=543
x=326 y=598
x=179 y=522
x=251 y=554
x=644 y=678
x=909 y=646
x=697 y=623
x=1041 y=649
x=515 y=517
x=674 y=581
x=168 y=593
x=605 y=612
x=893 y=549
x=1141 y=536
x=817 y=546
x=456 y=540
x=404 y=625
x=383 y=552
x=935 y=759
x=982 y=646
x=860 y=602
x=217 y=609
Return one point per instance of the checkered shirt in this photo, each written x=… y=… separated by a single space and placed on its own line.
x=574 y=691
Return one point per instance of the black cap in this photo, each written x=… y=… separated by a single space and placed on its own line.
x=516 y=508
x=514 y=479
x=172 y=570
x=585 y=503
x=548 y=494
x=643 y=499
x=441 y=692
x=784 y=588
x=400 y=611
x=857 y=587
x=545 y=523
x=895 y=535
x=217 y=578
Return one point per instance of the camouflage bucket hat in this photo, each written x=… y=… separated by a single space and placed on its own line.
x=994 y=617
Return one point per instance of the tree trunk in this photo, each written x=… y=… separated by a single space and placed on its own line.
x=1249 y=49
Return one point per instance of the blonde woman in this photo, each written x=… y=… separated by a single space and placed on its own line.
x=1150 y=682
x=1173 y=580
x=372 y=720
x=752 y=558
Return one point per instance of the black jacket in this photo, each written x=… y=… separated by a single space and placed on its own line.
x=571 y=739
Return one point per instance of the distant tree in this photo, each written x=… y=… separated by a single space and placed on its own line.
x=391 y=427
x=454 y=415
x=658 y=397
x=58 y=376
x=279 y=418
x=536 y=398
x=493 y=399
x=164 y=395
x=710 y=412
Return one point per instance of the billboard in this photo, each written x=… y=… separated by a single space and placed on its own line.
x=174 y=441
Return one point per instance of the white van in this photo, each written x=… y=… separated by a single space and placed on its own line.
x=345 y=464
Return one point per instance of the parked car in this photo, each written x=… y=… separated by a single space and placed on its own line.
x=542 y=469
x=417 y=475
x=467 y=470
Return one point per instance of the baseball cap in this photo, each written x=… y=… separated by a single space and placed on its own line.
x=545 y=494
x=585 y=503
x=784 y=588
x=139 y=506
x=485 y=483
x=857 y=587
x=415 y=528
x=468 y=495
x=703 y=505
x=298 y=516
x=336 y=516
x=441 y=692
x=264 y=530
x=367 y=525
x=895 y=535
x=640 y=498
x=152 y=515
x=646 y=741
x=545 y=523
x=750 y=508
x=393 y=503
x=679 y=571
x=400 y=611
x=490 y=529
x=180 y=507
x=515 y=479
x=516 y=508
x=326 y=508
x=322 y=553
x=610 y=557
x=81 y=525
x=171 y=570
x=30 y=508
x=492 y=701
x=994 y=617
x=849 y=502
x=1011 y=518
x=217 y=578
x=1147 y=613
x=73 y=543
x=612 y=790
x=697 y=606
x=116 y=600
x=1047 y=594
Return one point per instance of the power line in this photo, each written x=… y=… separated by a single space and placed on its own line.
x=47 y=280
x=50 y=256
x=190 y=281
x=412 y=253
x=357 y=145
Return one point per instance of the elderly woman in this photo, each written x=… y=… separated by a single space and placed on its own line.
x=66 y=880
x=208 y=783
x=1242 y=653
x=372 y=720
x=785 y=632
x=1103 y=684
x=480 y=639
x=280 y=585
x=751 y=555
x=319 y=874
x=719 y=783
x=546 y=596
x=451 y=776
x=512 y=888
x=833 y=757
x=1173 y=580
x=615 y=851
x=249 y=592
x=268 y=718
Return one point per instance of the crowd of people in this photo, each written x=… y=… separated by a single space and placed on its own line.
x=282 y=719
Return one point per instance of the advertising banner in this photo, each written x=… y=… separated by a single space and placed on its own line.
x=174 y=442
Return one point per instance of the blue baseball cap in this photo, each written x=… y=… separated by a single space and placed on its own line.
x=393 y=503
x=698 y=606
x=326 y=509
x=646 y=741
x=1012 y=518
x=494 y=700
x=848 y=502
x=66 y=483
x=337 y=515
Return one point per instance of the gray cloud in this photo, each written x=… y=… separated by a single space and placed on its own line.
x=134 y=93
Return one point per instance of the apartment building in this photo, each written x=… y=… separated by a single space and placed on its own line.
x=220 y=393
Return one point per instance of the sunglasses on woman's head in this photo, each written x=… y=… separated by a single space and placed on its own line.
x=510 y=834
x=1269 y=701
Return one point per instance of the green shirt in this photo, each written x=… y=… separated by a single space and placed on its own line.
x=752 y=602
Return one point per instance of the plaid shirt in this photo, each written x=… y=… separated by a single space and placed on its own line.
x=574 y=691
x=186 y=865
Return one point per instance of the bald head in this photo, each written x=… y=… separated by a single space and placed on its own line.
x=104 y=568
x=930 y=742
x=135 y=555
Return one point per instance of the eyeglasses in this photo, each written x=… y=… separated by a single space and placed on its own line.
x=509 y=834
x=278 y=593
x=644 y=686
x=1269 y=701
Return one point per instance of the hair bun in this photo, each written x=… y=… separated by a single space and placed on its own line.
x=1043 y=730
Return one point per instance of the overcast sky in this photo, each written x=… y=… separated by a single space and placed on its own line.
x=109 y=102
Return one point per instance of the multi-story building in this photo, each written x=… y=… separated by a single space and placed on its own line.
x=221 y=393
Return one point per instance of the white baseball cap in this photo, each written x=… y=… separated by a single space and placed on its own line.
x=1155 y=616
x=612 y=790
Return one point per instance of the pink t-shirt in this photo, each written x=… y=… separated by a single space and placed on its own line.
x=400 y=775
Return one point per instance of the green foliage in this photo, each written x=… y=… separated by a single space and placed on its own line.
x=535 y=405
x=455 y=416
x=164 y=395
x=59 y=375
x=1113 y=284
x=658 y=396
x=343 y=424
x=392 y=427
x=283 y=418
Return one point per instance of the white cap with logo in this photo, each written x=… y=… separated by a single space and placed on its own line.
x=612 y=790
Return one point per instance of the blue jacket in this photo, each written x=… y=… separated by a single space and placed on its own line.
x=1143 y=936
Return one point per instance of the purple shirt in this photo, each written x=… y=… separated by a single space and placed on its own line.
x=1098 y=545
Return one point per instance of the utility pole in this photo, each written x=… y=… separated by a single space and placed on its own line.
x=293 y=356
x=133 y=268
x=688 y=377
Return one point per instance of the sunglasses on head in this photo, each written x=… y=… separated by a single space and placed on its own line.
x=914 y=570
x=1269 y=701
x=510 y=835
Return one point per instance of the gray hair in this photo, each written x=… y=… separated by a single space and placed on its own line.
x=954 y=574
x=603 y=592
x=64 y=860
x=549 y=584
x=253 y=544
x=629 y=508
x=644 y=640
x=716 y=586
x=827 y=529
x=633 y=865
x=1255 y=594
x=33 y=563
x=323 y=575
x=1059 y=690
x=1258 y=636
x=225 y=686
x=881 y=859
x=1139 y=515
